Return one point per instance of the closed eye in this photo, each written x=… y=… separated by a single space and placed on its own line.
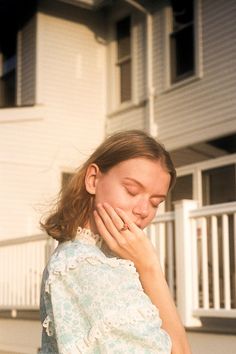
x=131 y=191
x=157 y=203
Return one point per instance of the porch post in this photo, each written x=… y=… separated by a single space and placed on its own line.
x=184 y=261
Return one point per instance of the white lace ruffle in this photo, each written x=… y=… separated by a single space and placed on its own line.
x=68 y=264
x=88 y=237
x=47 y=324
x=109 y=322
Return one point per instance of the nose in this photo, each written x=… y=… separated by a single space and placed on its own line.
x=141 y=208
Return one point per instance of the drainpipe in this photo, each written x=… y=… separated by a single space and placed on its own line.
x=152 y=126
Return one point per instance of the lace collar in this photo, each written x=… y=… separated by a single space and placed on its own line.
x=87 y=236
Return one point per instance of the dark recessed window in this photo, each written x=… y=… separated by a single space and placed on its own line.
x=218 y=185
x=8 y=69
x=183 y=189
x=123 y=35
x=182 y=40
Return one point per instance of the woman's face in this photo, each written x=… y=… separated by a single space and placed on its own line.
x=137 y=186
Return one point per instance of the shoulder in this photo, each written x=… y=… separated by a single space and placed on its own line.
x=71 y=254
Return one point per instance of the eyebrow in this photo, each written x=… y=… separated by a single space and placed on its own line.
x=142 y=186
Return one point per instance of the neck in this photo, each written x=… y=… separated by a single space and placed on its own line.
x=91 y=225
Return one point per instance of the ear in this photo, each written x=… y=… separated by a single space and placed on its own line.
x=91 y=178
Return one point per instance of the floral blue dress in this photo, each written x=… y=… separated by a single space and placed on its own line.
x=93 y=303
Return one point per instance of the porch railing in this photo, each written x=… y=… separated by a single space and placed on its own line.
x=214 y=260
x=22 y=261
x=196 y=248
x=197 y=251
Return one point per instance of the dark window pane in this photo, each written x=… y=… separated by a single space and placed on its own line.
x=218 y=185
x=123 y=38
x=8 y=90
x=182 y=190
x=8 y=78
x=182 y=40
x=182 y=13
x=182 y=53
x=125 y=81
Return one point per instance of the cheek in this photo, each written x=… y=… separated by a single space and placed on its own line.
x=115 y=195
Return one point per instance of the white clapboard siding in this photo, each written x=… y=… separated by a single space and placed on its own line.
x=204 y=108
x=70 y=120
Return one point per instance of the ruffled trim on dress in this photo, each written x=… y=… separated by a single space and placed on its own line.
x=64 y=264
x=109 y=322
x=48 y=325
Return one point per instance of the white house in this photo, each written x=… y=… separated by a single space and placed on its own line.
x=73 y=71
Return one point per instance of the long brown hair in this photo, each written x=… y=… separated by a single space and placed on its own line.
x=75 y=204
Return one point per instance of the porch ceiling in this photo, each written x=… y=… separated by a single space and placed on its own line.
x=89 y=4
x=95 y=4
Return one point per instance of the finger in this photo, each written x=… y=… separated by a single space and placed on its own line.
x=118 y=222
x=103 y=232
x=131 y=225
x=108 y=222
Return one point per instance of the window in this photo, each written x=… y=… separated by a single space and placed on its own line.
x=218 y=185
x=182 y=51
x=182 y=190
x=8 y=69
x=123 y=36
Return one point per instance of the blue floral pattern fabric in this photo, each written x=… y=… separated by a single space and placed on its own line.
x=93 y=303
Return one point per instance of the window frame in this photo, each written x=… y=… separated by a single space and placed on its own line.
x=198 y=168
x=114 y=103
x=197 y=59
x=124 y=59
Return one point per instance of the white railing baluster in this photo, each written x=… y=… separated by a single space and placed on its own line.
x=152 y=234
x=205 y=276
x=215 y=263
x=10 y=269
x=4 y=275
x=162 y=245
x=195 y=264
x=23 y=280
x=161 y=234
x=170 y=255
x=226 y=261
x=17 y=277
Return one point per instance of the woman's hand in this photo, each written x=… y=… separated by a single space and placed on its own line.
x=131 y=243
x=134 y=245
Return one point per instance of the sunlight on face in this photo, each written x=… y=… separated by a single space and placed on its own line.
x=137 y=186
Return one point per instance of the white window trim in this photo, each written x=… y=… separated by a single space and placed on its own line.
x=196 y=170
x=114 y=104
x=198 y=47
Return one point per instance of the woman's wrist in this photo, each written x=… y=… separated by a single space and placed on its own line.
x=151 y=266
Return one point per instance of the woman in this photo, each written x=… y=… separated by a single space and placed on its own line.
x=103 y=290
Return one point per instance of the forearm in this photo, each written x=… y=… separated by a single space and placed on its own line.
x=155 y=286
